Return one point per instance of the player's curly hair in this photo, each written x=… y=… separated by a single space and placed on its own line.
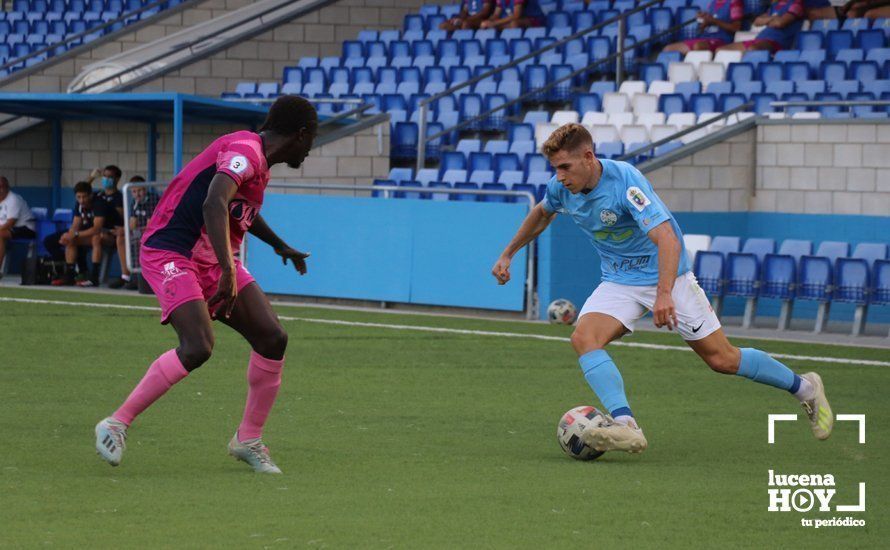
x=569 y=137
x=83 y=187
x=288 y=114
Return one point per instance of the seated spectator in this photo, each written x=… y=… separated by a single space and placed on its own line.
x=514 y=14
x=110 y=206
x=142 y=207
x=782 y=22
x=71 y=245
x=472 y=14
x=717 y=25
x=872 y=9
x=819 y=9
x=16 y=220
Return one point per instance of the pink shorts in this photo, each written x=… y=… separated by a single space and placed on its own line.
x=713 y=43
x=773 y=45
x=176 y=279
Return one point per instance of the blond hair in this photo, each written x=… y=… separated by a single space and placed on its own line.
x=569 y=137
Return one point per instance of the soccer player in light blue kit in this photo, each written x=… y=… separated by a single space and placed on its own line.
x=644 y=267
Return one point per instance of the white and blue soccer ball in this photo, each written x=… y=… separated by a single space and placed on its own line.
x=561 y=312
x=570 y=427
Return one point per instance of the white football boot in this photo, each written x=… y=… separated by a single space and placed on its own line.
x=111 y=440
x=613 y=436
x=254 y=453
x=818 y=410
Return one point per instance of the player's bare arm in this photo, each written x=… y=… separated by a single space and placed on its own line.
x=216 y=219
x=261 y=230
x=533 y=225
x=669 y=251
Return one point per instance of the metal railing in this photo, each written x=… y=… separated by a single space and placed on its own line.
x=618 y=56
x=686 y=131
x=831 y=103
x=75 y=37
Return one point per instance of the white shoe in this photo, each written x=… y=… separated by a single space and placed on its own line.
x=818 y=410
x=111 y=440
x=254 y=453
x=612 y=436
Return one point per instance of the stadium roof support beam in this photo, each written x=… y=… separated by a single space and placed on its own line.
x=149 y=108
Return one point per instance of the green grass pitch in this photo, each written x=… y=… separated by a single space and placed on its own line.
x=405 y=439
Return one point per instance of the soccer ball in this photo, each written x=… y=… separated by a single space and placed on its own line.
x=561 y=312
x=568 y=432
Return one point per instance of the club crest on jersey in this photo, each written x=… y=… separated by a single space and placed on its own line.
x=238 y=164
x=608 y=217
x=171 y=271
x=638 y=198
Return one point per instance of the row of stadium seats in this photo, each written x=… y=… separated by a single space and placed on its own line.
x=757 y=270
x=33 y=25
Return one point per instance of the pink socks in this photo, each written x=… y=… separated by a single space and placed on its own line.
x=264 y=379
x=162 y=374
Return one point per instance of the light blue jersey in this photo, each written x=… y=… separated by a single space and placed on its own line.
x=616 y=216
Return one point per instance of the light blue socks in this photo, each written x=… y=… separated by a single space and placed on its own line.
x=760 y=367
x=605 y=380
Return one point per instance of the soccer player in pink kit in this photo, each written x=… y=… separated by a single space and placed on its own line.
x=188 y=259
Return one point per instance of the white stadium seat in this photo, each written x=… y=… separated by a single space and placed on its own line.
x=807 y=115
x=614 y=102
x=658 y=87
x=697 y=57
x=682 y=120
x=564 y=117
x=682 y=72
x=543 y=131
x=634 y=133
x=594 y=117
x=650 y=119
x=728 y=56
x=632 y=87
x=714 y=126
x=711 y=72
x=659 y=132
x=695 y=243
x=645 y=103
x=621 y=119
x=604 y=133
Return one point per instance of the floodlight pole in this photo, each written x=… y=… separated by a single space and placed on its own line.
x=619 y=62
x=421 y=138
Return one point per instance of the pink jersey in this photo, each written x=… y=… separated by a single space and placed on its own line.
x=178 y=221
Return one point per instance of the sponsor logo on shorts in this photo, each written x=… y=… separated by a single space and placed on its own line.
x=170 y=271
x=639 y=199
x=608 y=217
x=698 y=328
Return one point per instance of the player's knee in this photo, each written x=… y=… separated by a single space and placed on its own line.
x=724 y=362
x=584 y=342
x=274 y=344
x=195 y=351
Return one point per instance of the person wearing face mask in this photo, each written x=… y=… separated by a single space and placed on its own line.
x=109 y=203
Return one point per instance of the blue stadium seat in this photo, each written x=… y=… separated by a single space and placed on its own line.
x=666 y=148
x=780 y=271
x=536 y=163
x=768 y=72
x=511 y=177
x=795 y=71
x=470 y=107
x=467 y=197
x=480 y=177
x=811 y=88
x=562 y=91
x=404 y=141
x=871 y=39
x=467 y=146
x=496 y=121
x=494 y=198
x=480 y=161
x=851 y=281
x=453 y=160
x=524 y=188
x=410 y=194
x=439 y=185
x=810 y=40
x=62 y=217
x=865 y=71
x=520 y=132
x=686 y=89
x=496 y=146
x=881 y=283
x=671 y=103
x=779 y=87
x=506 y=162
x=748 y=88
x=837 y=41
x=878 y=55
x=522 y=148
x=708 y=269
x=831 y=111
x=762 y=103
x=740 y=72
x=536 y=76
x=813 y=58
x=785 y=56
x=703 y=103
x=610 y=149
x=399 y=175
x=719 y=88
x=833 y=71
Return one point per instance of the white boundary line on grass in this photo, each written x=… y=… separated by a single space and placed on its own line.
x=444 y=330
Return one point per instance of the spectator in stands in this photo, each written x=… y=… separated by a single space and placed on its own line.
x=782 y=22
x=16 y=220
x=872 y=9
x=514 y=14
x=71 y=245
x=472 y=14
x=111 y=203
x=819 y=9
x=717 y=25
x=142 y=207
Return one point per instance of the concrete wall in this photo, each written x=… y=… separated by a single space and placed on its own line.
x=802 y=168
x=263 y=58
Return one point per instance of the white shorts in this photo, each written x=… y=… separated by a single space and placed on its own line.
x=629 y=303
